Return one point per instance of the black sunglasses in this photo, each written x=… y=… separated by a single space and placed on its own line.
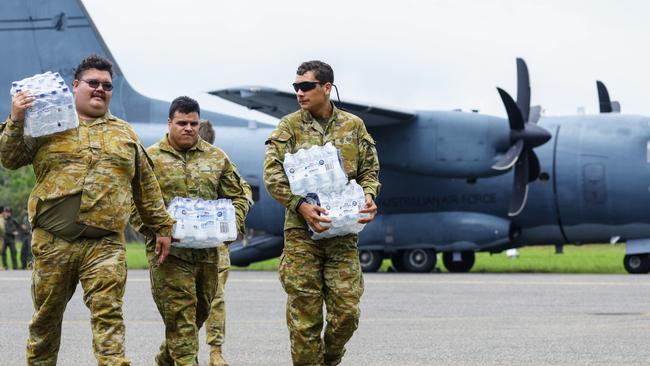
x=96 y=83
x=306 y=85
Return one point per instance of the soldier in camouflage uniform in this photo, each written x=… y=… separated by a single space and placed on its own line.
x=327 y=270
x=11 y=230
x=215 y=325
x=86 y=179
x=185 y=285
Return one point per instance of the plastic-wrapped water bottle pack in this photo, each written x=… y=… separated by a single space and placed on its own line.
x=342 y=208
x=53 y=109
x=202 y=223
x=315 y=169
x=317 y=174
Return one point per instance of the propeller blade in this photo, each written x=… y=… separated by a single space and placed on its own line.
x=603 y=98
x=520 y=186
x=514 y=114
x=535 y=113
x=510 y=157
x=533 y=166
x=523 y=89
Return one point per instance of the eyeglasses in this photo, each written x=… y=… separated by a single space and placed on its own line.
x=306 y=85
x=93 y=83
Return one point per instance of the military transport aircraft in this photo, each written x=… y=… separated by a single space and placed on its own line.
x=453 y=182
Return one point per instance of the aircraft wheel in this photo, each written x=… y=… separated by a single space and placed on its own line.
x=418 y=260
x=370 y=260
x=637 y=263
x=466 y=262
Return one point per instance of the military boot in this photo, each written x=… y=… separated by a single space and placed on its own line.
x=216 y=359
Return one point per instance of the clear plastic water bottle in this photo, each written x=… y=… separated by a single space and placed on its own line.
x=291 y=170
x=70 y=112
x=231 y=218
x=178 y=212
x=301 y=167
x=200 y=233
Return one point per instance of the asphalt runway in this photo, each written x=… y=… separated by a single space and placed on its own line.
x=407 y=319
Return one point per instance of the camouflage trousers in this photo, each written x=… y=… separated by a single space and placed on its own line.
x=100 y=266
x=183 y=292
x=215 y=326
x=313 y=272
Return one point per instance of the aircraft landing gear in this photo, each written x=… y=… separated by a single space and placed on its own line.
x=370 y=260
x=414 y=260
x=463 y=263
x=637 y=263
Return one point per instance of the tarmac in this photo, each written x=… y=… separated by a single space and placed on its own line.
x=407 y=319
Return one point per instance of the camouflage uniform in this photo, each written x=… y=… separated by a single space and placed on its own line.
x=328 y=270
x=215 y=326
x=102 y=161
x=11 y=227
x=184 y=286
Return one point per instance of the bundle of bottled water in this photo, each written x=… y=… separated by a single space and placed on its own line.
x=315 y=169
x=53 y=108
x=317 y=174
x=342 y=208
x=202 y=223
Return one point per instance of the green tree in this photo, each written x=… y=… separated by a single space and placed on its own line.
x=16 y=186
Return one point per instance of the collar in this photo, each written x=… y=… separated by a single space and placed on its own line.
x=166 y=146
x=103 y=119
x=308 y=118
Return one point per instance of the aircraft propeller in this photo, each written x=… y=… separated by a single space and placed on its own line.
x=525 y=135
x=606 y=105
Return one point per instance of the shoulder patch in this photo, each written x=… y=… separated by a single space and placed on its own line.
x=278 y=135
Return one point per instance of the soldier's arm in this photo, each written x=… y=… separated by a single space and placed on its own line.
x=233 y=186
x=368 y=169
x=275 y=179
x=15 y=150
x=147 y=196
x=137 y=223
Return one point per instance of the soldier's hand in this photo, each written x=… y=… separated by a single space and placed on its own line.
x=19 y=104
x=370 y=209
x=163 y=244
x=311 y=214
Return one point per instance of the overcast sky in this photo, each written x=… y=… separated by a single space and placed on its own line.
x=413 y=55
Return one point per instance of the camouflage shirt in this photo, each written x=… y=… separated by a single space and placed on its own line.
x=103 y=160
x=204 y=171
x=300 y=130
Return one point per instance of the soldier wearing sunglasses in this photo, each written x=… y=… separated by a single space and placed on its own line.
x=86 y=178
x=327 y=271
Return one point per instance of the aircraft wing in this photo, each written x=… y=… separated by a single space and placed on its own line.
x=277 y=103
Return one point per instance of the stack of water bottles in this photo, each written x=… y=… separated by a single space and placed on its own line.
x=53 y=108
x=317 y=174
x=202 y=223
x=315 y=169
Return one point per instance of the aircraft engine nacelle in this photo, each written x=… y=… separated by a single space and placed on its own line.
x=445 y=231
x=445 y=144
